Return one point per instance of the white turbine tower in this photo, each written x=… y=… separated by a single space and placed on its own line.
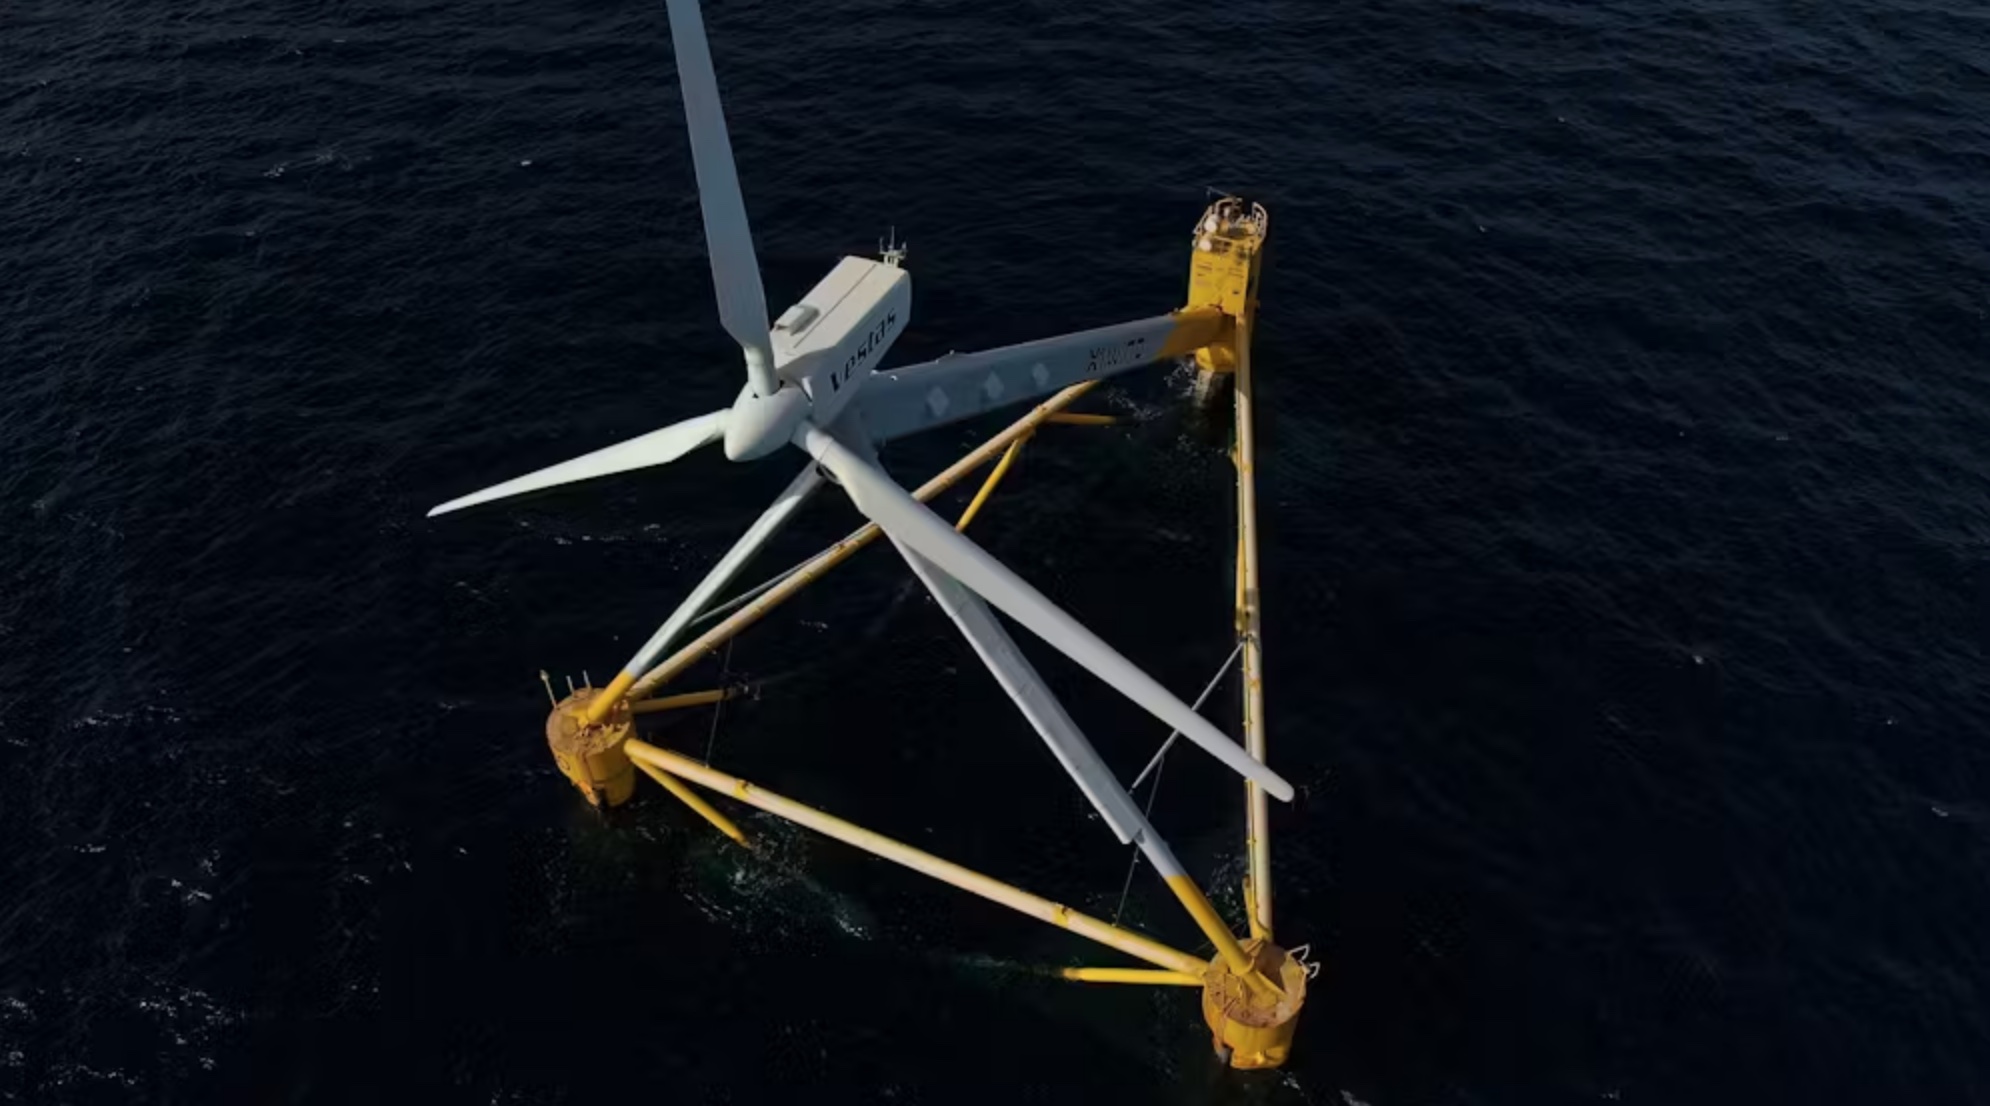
x=811 y=381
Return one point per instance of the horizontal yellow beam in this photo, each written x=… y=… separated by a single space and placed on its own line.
x=688 y=699
x=1069 y=418
x=925 y=863
x=693 y=800
x=1152 y=977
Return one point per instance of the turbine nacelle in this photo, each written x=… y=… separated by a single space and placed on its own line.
x=824 y=347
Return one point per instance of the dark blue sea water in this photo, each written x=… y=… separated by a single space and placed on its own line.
x=1625 y=438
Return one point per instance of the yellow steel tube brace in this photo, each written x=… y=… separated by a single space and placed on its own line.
x=1067 y=418
x=1152 y=977
x=925 y=863
x=615 y=692
x=1213 y=927
x=988 y=485
x=693 y=800
x=1257 y=813
x=688 y=699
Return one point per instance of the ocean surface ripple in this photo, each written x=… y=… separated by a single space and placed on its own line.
x=1624 y=373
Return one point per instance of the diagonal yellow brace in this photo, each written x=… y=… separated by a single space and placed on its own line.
x=925 y=863
x=693 y=800
x=1213 y=927
x=988 y=485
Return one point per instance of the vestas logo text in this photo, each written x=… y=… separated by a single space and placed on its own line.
x=1129 y=353
x=873 y=342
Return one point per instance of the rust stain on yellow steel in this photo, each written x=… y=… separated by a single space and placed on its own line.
x=598 y=708
x=988 y=486
x=693 y=800
x=688 y=699
x=1068 y=418
x=842 y=550
x=1152 y=977
x=925 y=863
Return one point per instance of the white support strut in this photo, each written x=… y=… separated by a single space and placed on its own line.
x=1014 y=672
x=904 y=519
x=749 y=544
x=962 y=385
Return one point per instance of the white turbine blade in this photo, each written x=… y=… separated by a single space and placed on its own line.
x=1013 y=671
x=658 y=447
x=1017 y=677
x=907 y=520
x=728 y=239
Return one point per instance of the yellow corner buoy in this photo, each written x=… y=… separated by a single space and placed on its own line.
x=592 y=756
x=1253 y=1028
x=1223 y=270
